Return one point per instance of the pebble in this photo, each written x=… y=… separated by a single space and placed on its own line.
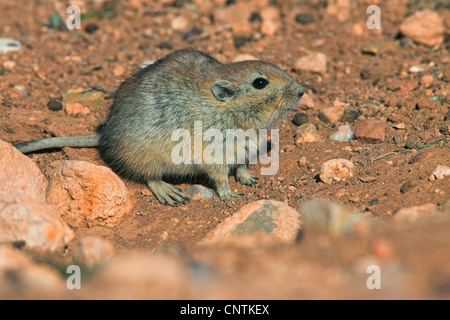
x=331 y=114
x=77 y=101
x=424 y=27
x=378 y=47
x=235 y=15
x=370 y=130
x=270 y=21
x=91 y=28
x=331 y=217
x=300 y=118
x=243 y=57
x=38 y=225
x=306 y=102
x=92 y=251
x=440 y=172
x=86 y=194
x=7 y=44
x=336 y=170
x=342 y=133
x=20 y=174
x=198 y=192
x=411 y=214
x=407 y=186
x=340 y=9
x=267 y=216
x=427 y=80
x=179 y=23
x=315 y=62
x=307 y=133
x=304 y=18
x=349 y=116
x=76 y=109
x=20 y=278
x=10 y=65
x=139 y=276
x=54 y=105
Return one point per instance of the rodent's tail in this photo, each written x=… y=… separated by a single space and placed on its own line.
x=92 y=140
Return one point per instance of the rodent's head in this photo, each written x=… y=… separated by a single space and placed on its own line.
x=255 y=92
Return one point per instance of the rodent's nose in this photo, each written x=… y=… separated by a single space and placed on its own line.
x=301 y=92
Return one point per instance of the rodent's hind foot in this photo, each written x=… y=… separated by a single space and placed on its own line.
x=167 y=193
x=225 y=194
x=229 y=196
x=244 y=177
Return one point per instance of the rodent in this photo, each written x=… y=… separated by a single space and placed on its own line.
x=184 y=86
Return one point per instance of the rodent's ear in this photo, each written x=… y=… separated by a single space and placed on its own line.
x=223 y=90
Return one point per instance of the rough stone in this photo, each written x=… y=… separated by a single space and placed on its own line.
x=267 y=216
x=86 y=194
x=19 y=174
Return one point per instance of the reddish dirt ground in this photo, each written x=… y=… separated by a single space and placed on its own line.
x=53 y=61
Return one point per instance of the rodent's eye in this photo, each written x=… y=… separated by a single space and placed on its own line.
x=260 y=83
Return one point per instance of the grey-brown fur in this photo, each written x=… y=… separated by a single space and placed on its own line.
x=172 y=93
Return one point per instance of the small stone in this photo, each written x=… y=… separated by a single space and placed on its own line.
x=20 y=278
x=358 y=29
x=378 y=47
x=19 y=174
x=315 y=62
x=406 y=88
x=179 y=23
x=138 y=277
x=304 y=18
x=234 y=15
x=373 y=201
x=7 y=44
x=270 y=21
x=331 y=114
x=441 y=172
x=336 y=170
x=306 y=102
x=399 y=126
x=39 y=226
x=427 y=80
x=92 y=251
x=86 y=98
x=86 y=194
x=267 y=216
x=300 y=118
x=424 y=27
x=331 y=217
x=349 y=116
x=243 y=57
x=413 y=213
x=10 y=65
x=425 y=103
x=118 y=70
x=370 y=130
x=339 y=9
x=302 y=161
x=307 y=133
x=407 y=186
x=76 y=109
x=91 y=28
x=342 y=133
x=192 y=32
x=54 y=105
x=198 y=192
